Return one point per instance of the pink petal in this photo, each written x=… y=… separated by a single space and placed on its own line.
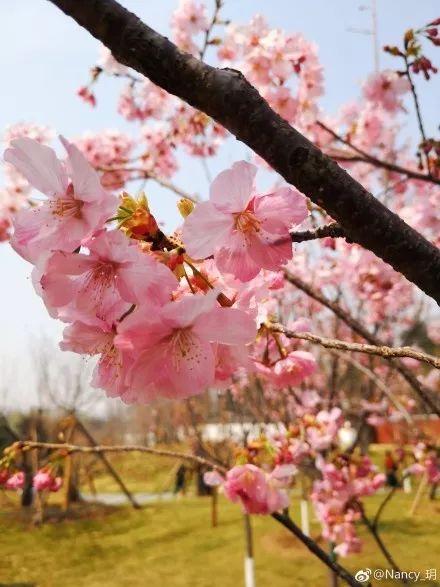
x=206 y=229
x=236 y=259
x=232 y=189
x=269 y=251
x=193 y=372
x=84 y=339
x=39 y=165
x=281 y=209
x=227 y=326
x=185 y=311
x=86 y=182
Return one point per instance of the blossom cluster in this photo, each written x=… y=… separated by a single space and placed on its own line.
x=43 y=480
x=427 y=462
x=125 y=291
x=284 y=67
x=266 y=466
x=336 y=498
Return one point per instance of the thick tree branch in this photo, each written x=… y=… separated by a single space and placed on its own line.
x=422 y=391
x=226 y=96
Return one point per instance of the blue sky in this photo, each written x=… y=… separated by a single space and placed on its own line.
x=45 y=57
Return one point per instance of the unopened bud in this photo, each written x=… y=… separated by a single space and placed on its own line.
x=185 y=206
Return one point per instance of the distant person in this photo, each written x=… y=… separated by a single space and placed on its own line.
x=391 y=470
x=180 y=482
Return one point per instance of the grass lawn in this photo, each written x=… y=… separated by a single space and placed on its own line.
x=171 y=544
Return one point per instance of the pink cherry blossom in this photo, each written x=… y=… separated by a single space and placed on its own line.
x=256 y=491
x=291 y=370
x=73 y=210
x=334 y=497
x=104 y=150
x=111 y=369
x=245 y=232
x=188 y=20
x=103 y=283
x=44 y=481
x=15 y=481
x=174 y=356
x=87 y=95
x=385 y=89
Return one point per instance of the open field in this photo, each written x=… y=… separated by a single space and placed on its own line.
x=173 y=544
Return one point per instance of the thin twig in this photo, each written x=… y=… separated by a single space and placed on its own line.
x=72 y=448
x=422 y=390
x=380 y=509
x=333 y=230
x=148 y=175
x=416 y=100
x=288 y=523
x=369 y=349
x=365 y=157
x=206 y=41
x=379 y=384
x=380 y=543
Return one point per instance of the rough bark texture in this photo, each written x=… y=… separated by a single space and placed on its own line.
x=226 y=96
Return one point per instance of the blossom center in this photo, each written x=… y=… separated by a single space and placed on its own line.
x=181 y=343
x=246 y=222
x=67 y=207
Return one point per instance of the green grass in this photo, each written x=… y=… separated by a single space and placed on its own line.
x=173 y=545
x=152 y=474
x=155 y=474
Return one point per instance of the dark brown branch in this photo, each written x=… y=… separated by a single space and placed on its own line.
x=422 y=391
x=364 y=157
x=226 y=96
x=380 y=543
x=333 y=230
x=380 y=509
x=416 y=99
x=288 y=523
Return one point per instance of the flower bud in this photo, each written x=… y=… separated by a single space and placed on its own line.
x=185 y=206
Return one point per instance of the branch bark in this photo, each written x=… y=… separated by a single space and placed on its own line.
x=226 y=96
x=68 y=449
x=365 y=157
x=332 y=230
x=288 y=523
x=370 y=349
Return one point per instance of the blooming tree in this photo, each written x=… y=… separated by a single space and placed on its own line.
x=263 y=294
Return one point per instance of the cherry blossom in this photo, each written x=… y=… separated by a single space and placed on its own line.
x=103 y=283
x=15 y=481
x=174 y=356
x=244 y=231
x=385 y=89
x=73 y=210
x=44 y=480
x=257 y=492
